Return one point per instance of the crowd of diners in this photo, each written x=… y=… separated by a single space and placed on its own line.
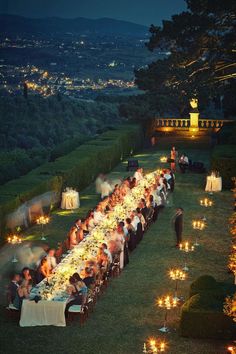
x=122 y=241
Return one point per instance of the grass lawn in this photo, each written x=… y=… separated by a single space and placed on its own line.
x=126 y=314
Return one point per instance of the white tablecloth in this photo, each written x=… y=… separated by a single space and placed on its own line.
x=43 y=313
x=214 y=184
x=70 y=200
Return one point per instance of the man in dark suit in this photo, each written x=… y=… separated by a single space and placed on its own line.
x=178 y=225
x=12 y=287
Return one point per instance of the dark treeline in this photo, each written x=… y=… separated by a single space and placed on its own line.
x=37 y=129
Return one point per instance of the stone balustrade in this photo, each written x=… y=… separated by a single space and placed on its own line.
x=181 y=123
x=172 y=122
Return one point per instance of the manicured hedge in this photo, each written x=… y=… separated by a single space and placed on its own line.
x=76 y=169
x=202 y=314
x=223 y=159
x=16 y=192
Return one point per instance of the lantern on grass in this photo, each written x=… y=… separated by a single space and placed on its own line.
x=187 y=248
x=177 y=275
x=154 y=346
x=206 y=202
x=198 y=225
x=232 y=262
x=167 y=303
x=230 y=307
x=163 y=159
x=231 y=349
x=14 y=240
x=43 y=220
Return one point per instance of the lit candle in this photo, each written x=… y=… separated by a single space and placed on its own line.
x=162 y=347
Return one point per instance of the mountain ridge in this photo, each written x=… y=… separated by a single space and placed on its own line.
x=14 y=24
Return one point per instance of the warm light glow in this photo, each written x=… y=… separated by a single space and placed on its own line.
x=168 y=302
x=206 y=202
x=198 y=224
x=43 y=220
x=154 y=346
x=163 y=159
x=14 y=239
x=177 y=274
x=186 y=247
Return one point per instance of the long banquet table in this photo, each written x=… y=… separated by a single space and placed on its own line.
x=50 y=309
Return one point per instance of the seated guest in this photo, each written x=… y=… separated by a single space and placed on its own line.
x=183 y=163
x=129 y=225
x=80 y=232
x=132 y=236
x=106 y=250
x=106 y=189
x=102 y=258
x=98 y=215
x=133 y=183
x=143 y=208
x=80 y=283
x=23 y=292
x=26 y=274
x=138 y=175
x=89 y=279
x=72 y=237
x=12 y=288
x=141 y=218
x=51 y=259
x=125 y=246
x=90 y=222
x=59 y=251
x=43 y=270
x=134 y=220
x=92 y=265
x=77 y=291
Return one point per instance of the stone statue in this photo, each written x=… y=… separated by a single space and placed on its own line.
x=194 y=104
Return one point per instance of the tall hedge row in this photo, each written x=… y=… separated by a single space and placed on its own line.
x=202 y=314
x=76 y=169
x=223 y=159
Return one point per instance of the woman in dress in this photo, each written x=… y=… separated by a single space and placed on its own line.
x=77 y=291
x=73 y=237
x=119 y=238
x=26 y=274
x=43 y=270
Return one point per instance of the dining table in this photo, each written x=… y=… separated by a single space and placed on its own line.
x=213 y=184
x=70 y=200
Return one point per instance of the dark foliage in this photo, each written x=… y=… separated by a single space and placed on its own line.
x=36 y=129
x=201 y=44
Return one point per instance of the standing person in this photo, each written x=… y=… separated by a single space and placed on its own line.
x=183 y=163
x=178 y=225
x=173 y=156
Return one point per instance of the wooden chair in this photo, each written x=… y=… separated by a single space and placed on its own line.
x=115 y=266
x=78 y=310
x=12 y=312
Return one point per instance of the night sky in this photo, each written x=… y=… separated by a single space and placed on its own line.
x=139 y=11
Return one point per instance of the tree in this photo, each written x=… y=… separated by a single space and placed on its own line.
x=201 y=47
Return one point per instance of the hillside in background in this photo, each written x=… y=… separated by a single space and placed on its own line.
x=17 y=25
x=38 y=129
